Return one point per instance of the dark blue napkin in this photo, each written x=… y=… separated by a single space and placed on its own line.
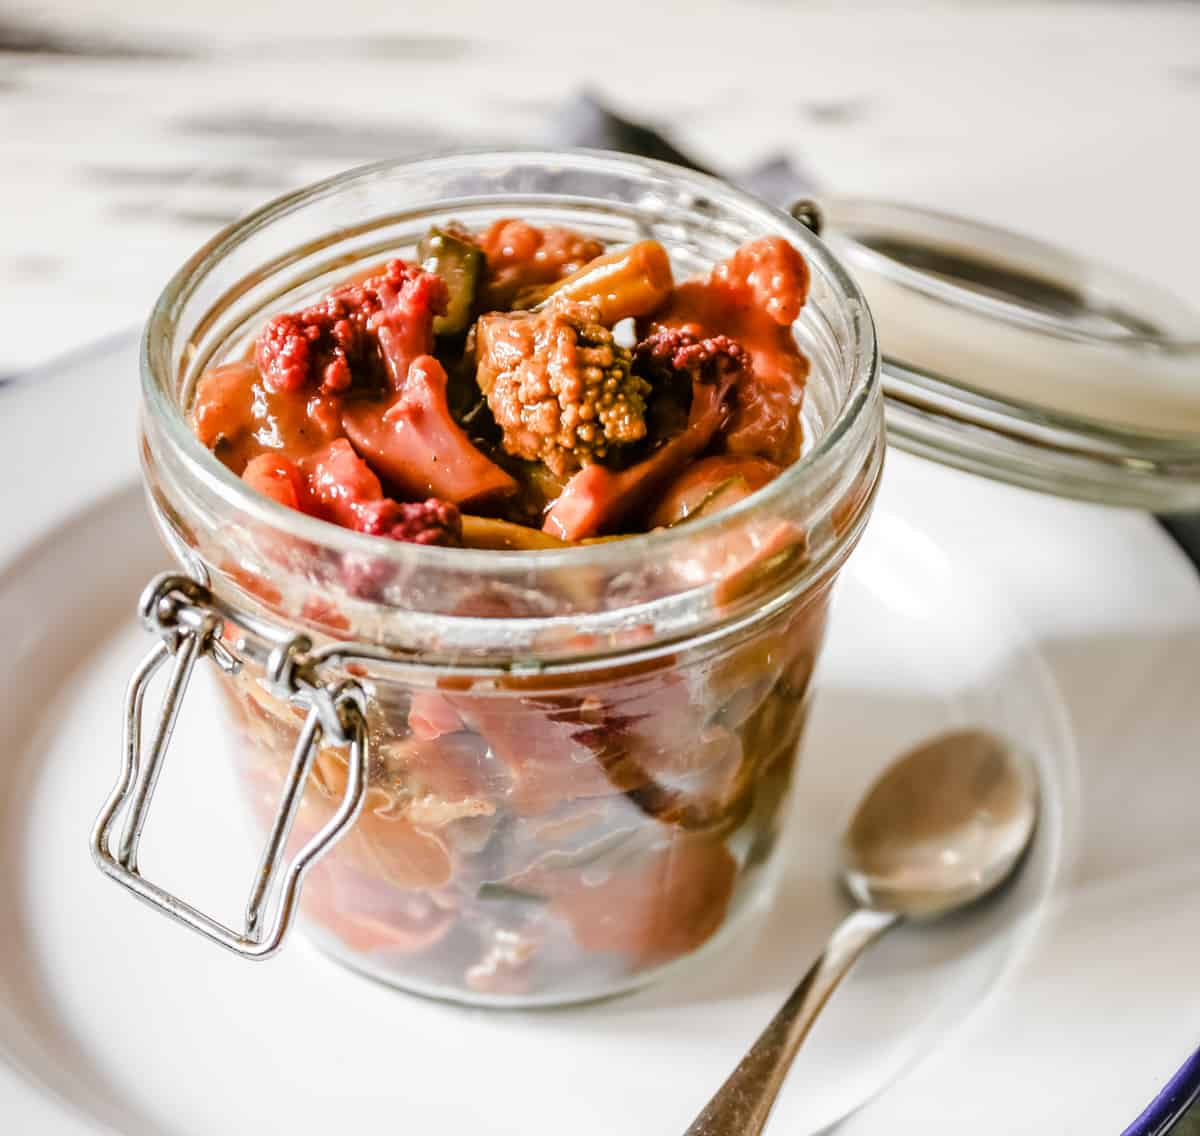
x=585 y=121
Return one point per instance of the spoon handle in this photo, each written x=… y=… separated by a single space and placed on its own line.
x=741 y=1105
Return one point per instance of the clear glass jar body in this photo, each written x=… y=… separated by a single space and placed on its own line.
x=579 y=758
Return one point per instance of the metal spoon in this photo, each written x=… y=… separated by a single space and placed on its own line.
x=944 y=825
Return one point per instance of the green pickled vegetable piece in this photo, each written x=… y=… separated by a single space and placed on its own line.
x=460 y=264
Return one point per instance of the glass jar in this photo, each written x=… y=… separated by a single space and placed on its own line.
x=499 y=777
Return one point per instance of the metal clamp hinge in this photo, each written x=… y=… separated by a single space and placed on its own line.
x=187 y=620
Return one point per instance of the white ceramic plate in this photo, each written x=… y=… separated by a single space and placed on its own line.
x=113 y=1019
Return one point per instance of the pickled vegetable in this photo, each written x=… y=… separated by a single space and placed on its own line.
x=629 y=282
x=459 y=262
x=596 y=387
x=710 y=485
x=560 y=388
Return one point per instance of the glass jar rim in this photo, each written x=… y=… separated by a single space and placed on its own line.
x=157 y=388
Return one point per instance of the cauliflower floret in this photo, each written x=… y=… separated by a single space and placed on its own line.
x=358 y=331
x=424 y=522
x=768 y=274
x=418 y=448
x=670 y=350
x=753 y=297
x=561 y=389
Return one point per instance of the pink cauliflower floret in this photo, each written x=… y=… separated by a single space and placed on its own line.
x=420 y=522
x=674 y=350
x=767 y=274
x=363 y=332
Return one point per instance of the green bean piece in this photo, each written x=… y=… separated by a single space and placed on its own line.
x=460 y=264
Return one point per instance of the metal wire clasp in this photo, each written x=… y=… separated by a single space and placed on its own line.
x=189 y=624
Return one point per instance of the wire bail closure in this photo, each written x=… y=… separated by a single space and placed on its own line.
x=189 y=623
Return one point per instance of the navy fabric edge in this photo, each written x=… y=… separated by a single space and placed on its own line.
x=1184 y=529
x=1173 y=1102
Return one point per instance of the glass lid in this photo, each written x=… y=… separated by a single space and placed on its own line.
x=1009 y=357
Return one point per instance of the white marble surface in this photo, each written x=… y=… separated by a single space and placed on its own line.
x=130 y=131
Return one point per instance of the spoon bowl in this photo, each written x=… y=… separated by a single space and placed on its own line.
x=942 y=826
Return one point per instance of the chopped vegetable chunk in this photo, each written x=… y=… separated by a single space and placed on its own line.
x=354 y=333
x=418 y=448
x=560 y=389
x=673 y=350
x=336 y=485
x=459 y=262
x=767 y=274
x=596 y=499
x=709 y=485
x=279 y=478
x=238 y=417
x=520 y=256
x=753 y=297
x=630 y=282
